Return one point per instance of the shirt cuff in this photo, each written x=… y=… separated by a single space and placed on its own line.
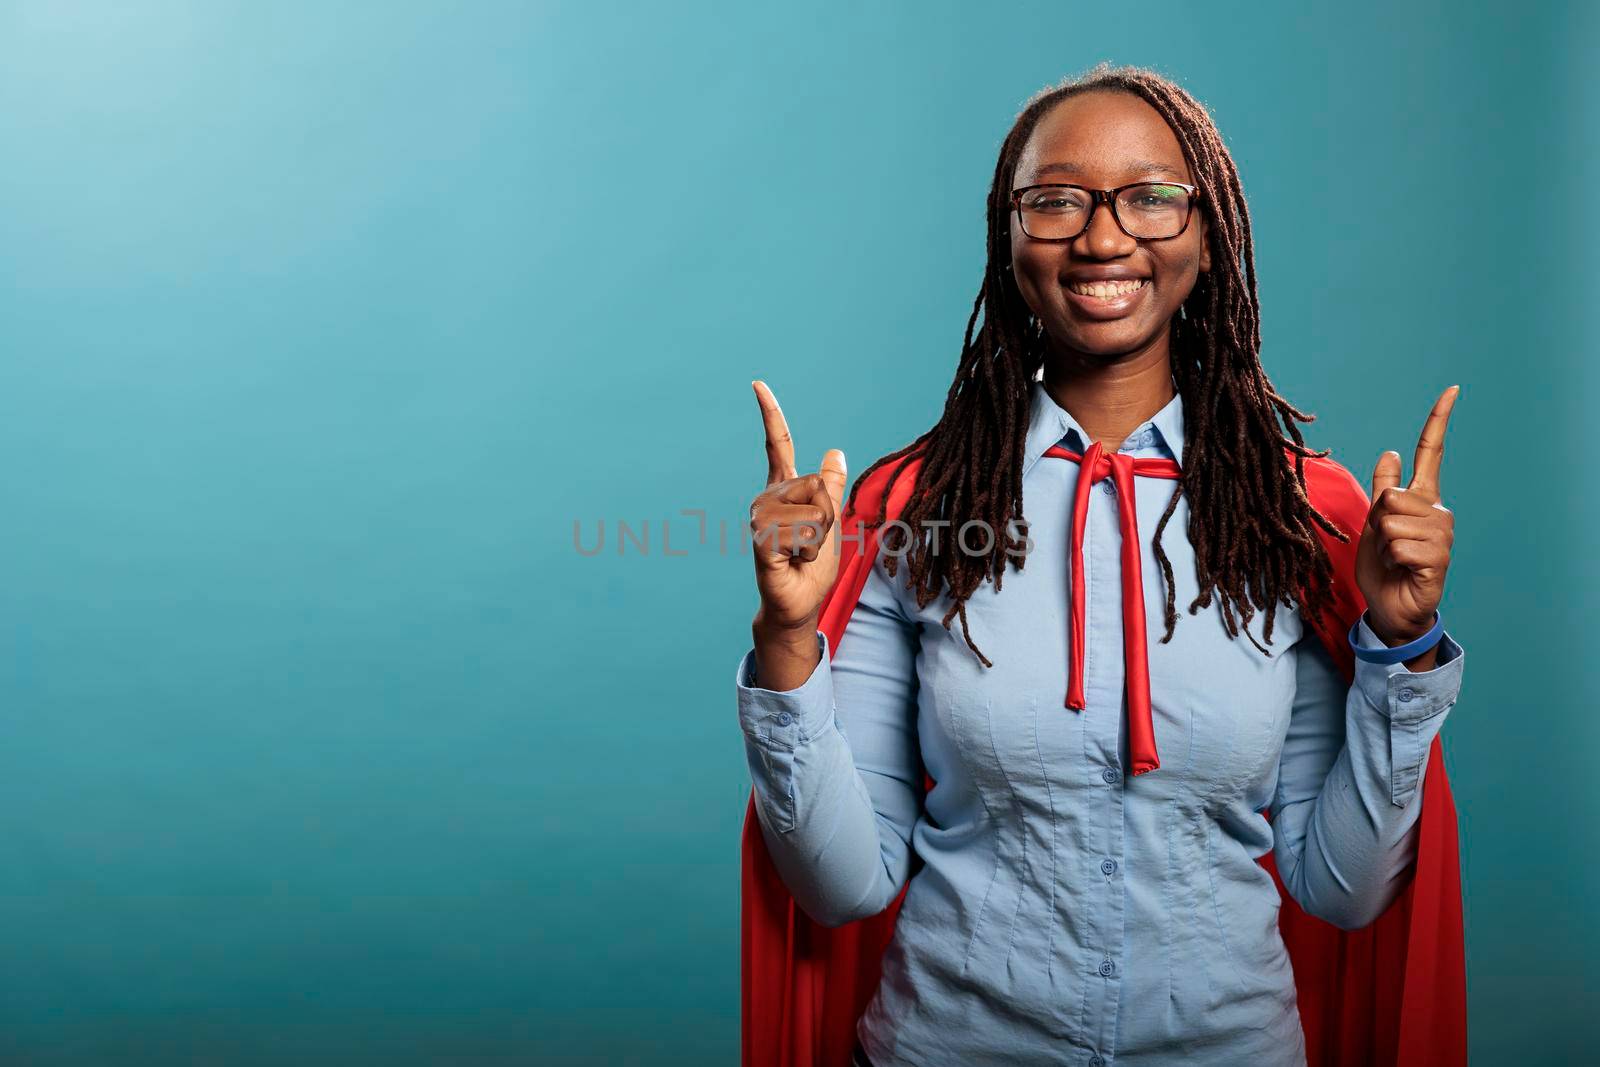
x=784 y=719
x=1414 y=702
x=1404 y=695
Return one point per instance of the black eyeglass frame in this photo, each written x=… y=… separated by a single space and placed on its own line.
x=1098 y=197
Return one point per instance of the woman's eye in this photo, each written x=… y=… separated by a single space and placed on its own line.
x=1157 y=201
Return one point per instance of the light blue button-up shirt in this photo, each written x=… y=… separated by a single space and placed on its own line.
x=1060 y=911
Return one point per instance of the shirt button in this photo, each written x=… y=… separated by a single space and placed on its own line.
x=784 y=718
x=1407 y=694
x=1107 y=488
x=1096 y=1061
x=1108 y=866
x=1107 y=968
x=1111 y=774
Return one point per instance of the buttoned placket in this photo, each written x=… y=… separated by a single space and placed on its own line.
x=1105 y=740
x=1106 y=726
x=1104 y=687
x=1106 y=722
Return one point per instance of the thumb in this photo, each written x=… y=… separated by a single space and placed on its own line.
x=1386 y=474
x=835 y=477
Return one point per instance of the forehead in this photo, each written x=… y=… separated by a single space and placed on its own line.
x=1101 y=139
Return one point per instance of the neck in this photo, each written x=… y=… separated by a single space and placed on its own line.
x=1110 y=399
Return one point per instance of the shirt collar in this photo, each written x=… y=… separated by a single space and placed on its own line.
x=1049 y=422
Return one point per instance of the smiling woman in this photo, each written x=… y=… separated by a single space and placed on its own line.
x=1058 y=854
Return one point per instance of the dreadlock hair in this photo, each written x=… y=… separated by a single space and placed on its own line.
x=1251 y=521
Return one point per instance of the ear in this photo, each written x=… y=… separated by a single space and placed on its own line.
x=1205 y=244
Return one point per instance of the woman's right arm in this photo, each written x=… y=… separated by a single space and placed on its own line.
x=836 y=763
x=830 y=739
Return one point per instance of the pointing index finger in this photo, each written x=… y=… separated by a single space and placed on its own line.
x=1430 y=446
x=780 y=447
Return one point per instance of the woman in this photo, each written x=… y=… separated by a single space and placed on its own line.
x=1082 y=882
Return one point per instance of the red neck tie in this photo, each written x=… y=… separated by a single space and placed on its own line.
x=1095 y=463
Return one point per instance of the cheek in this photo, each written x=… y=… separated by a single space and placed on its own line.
x=1178 y=269
x=1024 y=256
x=1034 y=271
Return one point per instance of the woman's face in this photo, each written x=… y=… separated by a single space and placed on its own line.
x=1102 y=140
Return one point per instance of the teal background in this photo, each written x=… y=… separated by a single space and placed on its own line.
x=321 y=324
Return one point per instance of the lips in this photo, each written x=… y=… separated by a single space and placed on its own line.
x=1109 y=289
x=1103 y=299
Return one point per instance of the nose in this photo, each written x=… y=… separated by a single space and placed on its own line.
x=1103 y=238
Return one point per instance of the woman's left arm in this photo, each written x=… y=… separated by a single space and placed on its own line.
x=1350 y=783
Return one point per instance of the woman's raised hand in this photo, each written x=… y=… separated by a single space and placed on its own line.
x=1405 y=544
x=794 y=528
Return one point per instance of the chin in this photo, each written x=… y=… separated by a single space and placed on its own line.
x=1108 y=340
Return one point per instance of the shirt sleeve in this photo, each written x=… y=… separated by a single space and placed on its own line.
x=1350 y=779
x=836 y=763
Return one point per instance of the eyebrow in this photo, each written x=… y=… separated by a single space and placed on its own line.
x=1140 y=167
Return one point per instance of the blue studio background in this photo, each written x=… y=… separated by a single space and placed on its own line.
x=321 y=325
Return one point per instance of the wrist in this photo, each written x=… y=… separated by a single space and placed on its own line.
x=1395 y=635
x=786 y=655
x=767 y=630
x=1415 y=652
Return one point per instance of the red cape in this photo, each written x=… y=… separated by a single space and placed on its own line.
x=1393 y=992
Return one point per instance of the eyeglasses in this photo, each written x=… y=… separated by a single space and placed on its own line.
x=1146 y=211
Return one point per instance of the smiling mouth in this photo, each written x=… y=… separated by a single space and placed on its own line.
x=1112 y=290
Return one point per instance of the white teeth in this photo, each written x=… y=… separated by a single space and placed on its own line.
x=1107 y=290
